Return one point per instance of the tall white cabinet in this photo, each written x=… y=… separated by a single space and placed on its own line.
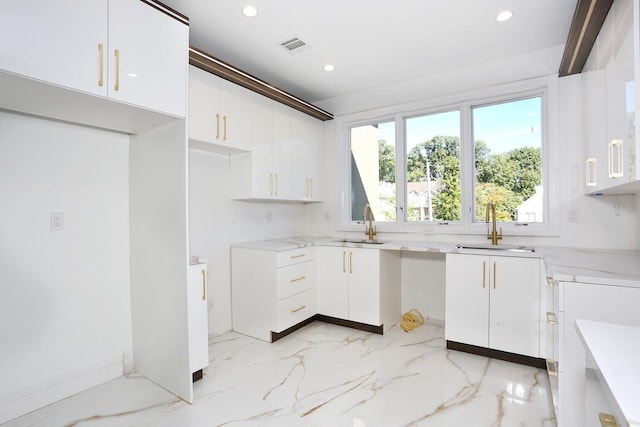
x=97 y=63
x=494 y=302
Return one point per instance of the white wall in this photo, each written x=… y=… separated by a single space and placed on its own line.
x=216 y=222
x=64 y=295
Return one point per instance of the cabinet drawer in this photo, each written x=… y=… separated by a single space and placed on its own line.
x=295 y=256
x=295 y=309
x=295 y=278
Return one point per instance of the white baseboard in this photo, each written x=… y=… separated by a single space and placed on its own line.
x=18 y=402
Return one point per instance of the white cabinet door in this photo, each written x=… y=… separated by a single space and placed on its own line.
x=204 y=105
x=198 y=318
x=235 y=112
x=148 y=57
x=364 y=286
x=332 y=281
x=261 y=157
x=282 y=145
x=466 y=299
x=494 y=302
x=306 y=156
x=514 y=319
x=57 y=42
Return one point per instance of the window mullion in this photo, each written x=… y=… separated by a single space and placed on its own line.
x=401 y=171
x=466 y=164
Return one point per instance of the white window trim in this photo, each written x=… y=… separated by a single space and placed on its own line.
x=547 y=87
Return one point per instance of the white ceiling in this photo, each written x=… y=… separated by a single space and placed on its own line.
x=370 y=42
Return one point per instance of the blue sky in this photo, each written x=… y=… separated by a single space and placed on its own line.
x=502 y=126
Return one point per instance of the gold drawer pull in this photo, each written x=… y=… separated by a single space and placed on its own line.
x=552 y=367
x=204 y=285
x=298 y=256
x=551 y=282
x=551 y=318
x=297 y=279
x=295 y=310
x=607 y=420
x=116 y=86
x=101 y=53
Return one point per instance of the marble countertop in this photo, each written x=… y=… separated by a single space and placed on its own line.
x=606 y=267
x=618 y=371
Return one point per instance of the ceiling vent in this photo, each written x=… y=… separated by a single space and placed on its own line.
x=294 y=45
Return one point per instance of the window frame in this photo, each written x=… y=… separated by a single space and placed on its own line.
x=546 y=88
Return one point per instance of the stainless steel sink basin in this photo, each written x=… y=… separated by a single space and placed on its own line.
x=365 y=241
x=487 y=246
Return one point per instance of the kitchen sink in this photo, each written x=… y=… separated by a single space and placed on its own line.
x=488 y=246
x=366 y=241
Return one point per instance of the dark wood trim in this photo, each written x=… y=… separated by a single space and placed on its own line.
x=350 y=324
x=167 y=11
x=587 y=22
x=197 y=375
x=275 y=336
x=206 y=62
x=498 y=354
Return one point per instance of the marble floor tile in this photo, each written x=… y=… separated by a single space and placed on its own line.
x=324 y=375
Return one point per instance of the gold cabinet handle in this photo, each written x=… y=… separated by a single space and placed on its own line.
x=551 y=318
x=204 y=285
x=298 y=256
x=297 y=279
x=116 y=86
x=224 y=125
x=101 y=53
x=344 y=261
x=217 y=126
x=484 y=274
x=590 y=172
x=351 y=262
x=275 y=180
x=295 y=310
x=607 y=420
x=495 y=278
x=551 y=282
x=616 y=169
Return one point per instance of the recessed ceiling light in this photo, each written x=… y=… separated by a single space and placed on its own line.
x=329 y=67
x=504 y=16
x=249 y=11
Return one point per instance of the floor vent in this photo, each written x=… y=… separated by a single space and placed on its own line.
x=293 y=45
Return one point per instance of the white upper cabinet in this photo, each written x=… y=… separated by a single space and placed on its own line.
x=61 y=42
x=122 y=50
x=610 y=95
x=306 y=155
x=285 y=158
x=219 y=114
x=147 y=57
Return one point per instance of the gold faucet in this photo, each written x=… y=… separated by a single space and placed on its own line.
x=493 y=235
x=370 y=231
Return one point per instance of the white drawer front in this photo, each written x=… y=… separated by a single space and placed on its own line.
x=295 y=309
x=295 y=256
x=295 y=278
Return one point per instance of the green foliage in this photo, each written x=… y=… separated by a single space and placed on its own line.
x=387 y=159
x=507 y=179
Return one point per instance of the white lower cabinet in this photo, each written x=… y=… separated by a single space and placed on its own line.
x=271 y=291
x=604 y=303
x=493 y=302
x=358 y=284
x=198 y=318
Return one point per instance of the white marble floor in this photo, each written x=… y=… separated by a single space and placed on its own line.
x=324 y=375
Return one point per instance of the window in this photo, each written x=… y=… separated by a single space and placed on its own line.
x=450 y=164
x=373 y=174
x=433 y=167
x=507 y=142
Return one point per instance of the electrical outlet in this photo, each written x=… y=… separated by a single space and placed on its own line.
x=573 y=215
x=57 y=221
